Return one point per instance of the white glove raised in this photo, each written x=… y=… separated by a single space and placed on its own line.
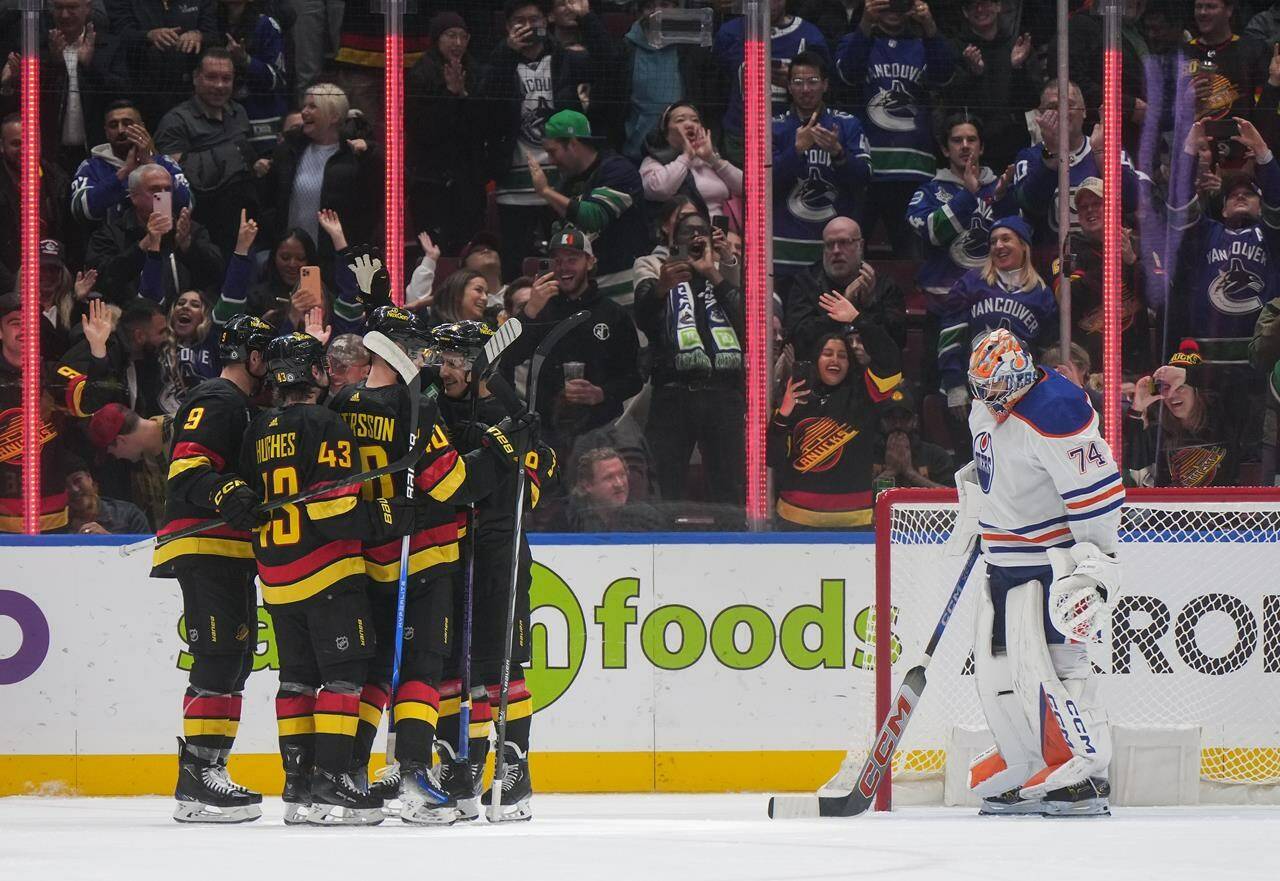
x=1085 y=580
x=958 y=396
x=371 y=277
x=967 y=528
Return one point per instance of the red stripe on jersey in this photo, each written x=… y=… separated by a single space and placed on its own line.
x=384 y=554
x=288 y=573
x=828 y=501
x=212 y=707
x=217 y=532
x=49 y=504
x=234 y=704
x=191 y=450
x=336 y=493
x=435 y=472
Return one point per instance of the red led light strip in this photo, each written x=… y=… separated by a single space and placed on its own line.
x=1111 y=278
x=395 y=153
x=29 y=282
x=756 y=249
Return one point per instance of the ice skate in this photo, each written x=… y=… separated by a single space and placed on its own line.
x=517 y=787
x=386 y=786
x=459 y=780
x=423 y=802
x=337 y=802
x=1087 y=798
x=205 y=794
x=1011 y=804
x=297 y=786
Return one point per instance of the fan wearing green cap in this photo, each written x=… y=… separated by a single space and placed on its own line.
x=600 y=193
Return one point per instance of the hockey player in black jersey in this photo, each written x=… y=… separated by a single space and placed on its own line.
x=313 y=580
x=215 y=571
x=377 y=411
x=458 y=346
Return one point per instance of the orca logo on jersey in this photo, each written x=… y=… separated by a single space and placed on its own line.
x=984 y=458
x=1236 y=290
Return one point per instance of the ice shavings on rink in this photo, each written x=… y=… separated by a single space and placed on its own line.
x=638 y=838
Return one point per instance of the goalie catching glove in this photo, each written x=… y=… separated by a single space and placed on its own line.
x=1084 y=579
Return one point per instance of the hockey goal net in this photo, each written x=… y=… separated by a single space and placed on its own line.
x=1193 y=647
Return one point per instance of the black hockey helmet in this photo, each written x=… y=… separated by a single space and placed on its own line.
x=291 y=357
x=398 y=325
x=241 y=335
x=465 y=337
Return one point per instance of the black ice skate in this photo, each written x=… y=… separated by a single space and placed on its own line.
x=458 y=779
x=1011 y=804
x=335 y=801
x=1087 y=798
x=205 y=794
x=297 y=786
x=386 y=786
x=517 y=787
x=422 y=801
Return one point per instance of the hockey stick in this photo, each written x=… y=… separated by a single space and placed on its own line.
x=790 y=807
x=504 y=336
x=549 y=342
x=297 y=498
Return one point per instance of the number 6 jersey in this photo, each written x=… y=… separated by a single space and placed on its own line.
x=1048 y=479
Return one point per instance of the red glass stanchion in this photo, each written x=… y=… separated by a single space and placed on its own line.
x=29 y=281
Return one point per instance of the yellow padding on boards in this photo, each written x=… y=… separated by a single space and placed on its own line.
x=554 y=772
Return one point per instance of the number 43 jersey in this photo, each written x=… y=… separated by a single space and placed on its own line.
x=314 y=545
x=1047 y=477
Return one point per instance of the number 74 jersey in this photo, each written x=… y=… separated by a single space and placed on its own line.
x=1047 y=477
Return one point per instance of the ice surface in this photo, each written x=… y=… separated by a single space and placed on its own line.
x=634 y=837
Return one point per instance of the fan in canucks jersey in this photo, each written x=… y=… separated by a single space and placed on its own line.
x=821 y=163
x=1226 y=267
x=891 y=61
x=953 y=213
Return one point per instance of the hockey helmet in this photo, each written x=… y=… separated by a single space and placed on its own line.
x=291 y=357
x=241 y=335
x=467 y=338
x=403 y=328
x=1000 y=370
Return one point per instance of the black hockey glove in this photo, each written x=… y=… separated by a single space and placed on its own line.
x=239 y=505
x=391 y=518
x=371 y=276
x=511 y=437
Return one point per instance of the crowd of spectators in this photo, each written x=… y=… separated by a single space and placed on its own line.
x=208 y=158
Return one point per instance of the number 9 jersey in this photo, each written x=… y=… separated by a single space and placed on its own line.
x=1048 y=478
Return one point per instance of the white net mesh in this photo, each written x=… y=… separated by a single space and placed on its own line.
x=1194 y=641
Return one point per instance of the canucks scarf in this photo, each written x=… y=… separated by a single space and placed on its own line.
x=700 y=353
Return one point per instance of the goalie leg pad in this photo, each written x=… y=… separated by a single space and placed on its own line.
x=1015 y=756
x=1075 y=738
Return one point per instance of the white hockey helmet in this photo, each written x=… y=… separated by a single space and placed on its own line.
x=1000 y=370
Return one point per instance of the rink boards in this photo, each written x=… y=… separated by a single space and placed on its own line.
x=661 y=663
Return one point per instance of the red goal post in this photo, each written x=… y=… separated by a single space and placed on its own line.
x=1194 y=646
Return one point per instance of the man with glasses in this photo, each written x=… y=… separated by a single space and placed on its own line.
x=348 y=362
x=821 y=165
x=843 y=272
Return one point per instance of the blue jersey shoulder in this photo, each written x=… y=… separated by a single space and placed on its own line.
x=1055 y=406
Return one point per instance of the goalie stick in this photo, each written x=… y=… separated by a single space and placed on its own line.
x=511 y=401
x=398 y=465
x=791 y=807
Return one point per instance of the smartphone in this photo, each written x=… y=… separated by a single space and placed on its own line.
x=901 y=7
x=802 y=370
x=1221 y=129
x=693 y=27
x=680 y=252
x=721 y=222
x=309 y=281
x=544 y=266
x=162 y=203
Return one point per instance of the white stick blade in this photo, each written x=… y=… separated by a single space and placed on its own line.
x=130 y=549
x=793 y=807
x=502 y=337
x=388 y=351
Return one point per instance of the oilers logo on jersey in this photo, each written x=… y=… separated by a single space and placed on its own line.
x=893 y=109
x=1235 y=290
x=984 y=459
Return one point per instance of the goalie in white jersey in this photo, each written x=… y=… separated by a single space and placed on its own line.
x=1045 y=495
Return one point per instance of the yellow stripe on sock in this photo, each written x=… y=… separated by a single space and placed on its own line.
x=296 y=725
x=417 y=711
x=335 y=723
x=371 y=714
x=204 y=727
x=451 y=706
x=520 y=710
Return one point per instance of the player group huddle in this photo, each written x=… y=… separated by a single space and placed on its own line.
x=352 y=512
